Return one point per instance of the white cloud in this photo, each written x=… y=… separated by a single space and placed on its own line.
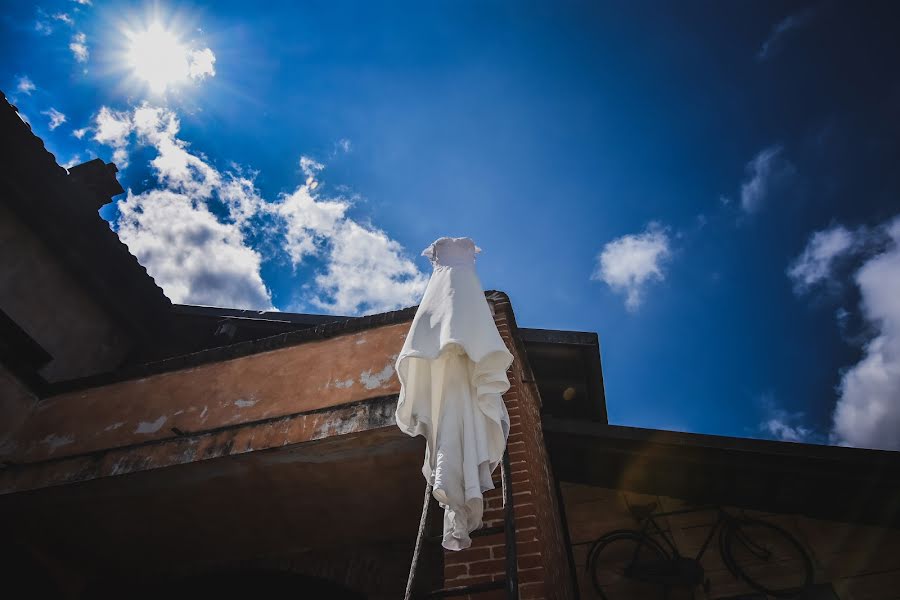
x=79 y=133
x=201 y=64
x=75 y=160
x=25 y=86
x=342 y=145
x=56 y=117
x=367 y=273
x=113 y=128
x=65 y=18
x=199 y=256
x=241 y=198
x=767 y=173
x=43 y=27
x=628 y=263
x=308 y=221
x=193 y=256
x=867 y=412
x=310 y=166
x=772 y=44
x=785 y=426
x=79 y=48
x=83 y=2
x=814 y=264
x=175 y=166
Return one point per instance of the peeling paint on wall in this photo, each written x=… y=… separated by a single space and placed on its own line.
x=343 y=384
x=372 y=381
x=56 y=441
x=245 y=403
x=150 y=427
x=113 y=426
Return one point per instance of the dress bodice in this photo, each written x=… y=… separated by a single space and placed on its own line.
x=452 y=252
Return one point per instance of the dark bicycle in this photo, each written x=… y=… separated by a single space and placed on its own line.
x=626 y=562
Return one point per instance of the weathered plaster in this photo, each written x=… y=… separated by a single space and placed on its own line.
x=308 y=376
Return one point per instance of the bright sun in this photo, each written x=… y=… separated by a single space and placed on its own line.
x=157 y=56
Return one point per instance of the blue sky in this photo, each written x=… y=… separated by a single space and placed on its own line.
x=712 y=187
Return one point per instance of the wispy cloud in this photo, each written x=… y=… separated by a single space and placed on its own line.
x=772 y=44
x=366 y=271
x=342 y=146
x=64 y=18
x=783 y=425
x=24 y=85
x=814 y=264
x=113 y=128
x=201 y=64
x=43 y=27
x=867 y=412
x=75 y=160
x=80 y=133
x=56 y=118
x=197 y=255
x=83 y=2
x=768 y=173
x=627 y=264
x=79 y=47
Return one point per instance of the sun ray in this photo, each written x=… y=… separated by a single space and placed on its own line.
x=157 y=56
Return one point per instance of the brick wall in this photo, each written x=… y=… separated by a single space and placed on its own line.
x=542 y=565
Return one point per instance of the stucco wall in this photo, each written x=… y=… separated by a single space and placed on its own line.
x=860 y=562
x=16 y=403
x=244 y=404
x=45 y=301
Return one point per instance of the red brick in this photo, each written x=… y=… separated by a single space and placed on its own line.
x=498 y=539
x=524 y=510
x=532 y=590
x=454 y=571
x=526 y=548
x=515 y=447
x=471 y=580
x=529 y=562
x=487 y=567
x=526 y=522
x=520 y=477
x=466 y=556
x=529 y=575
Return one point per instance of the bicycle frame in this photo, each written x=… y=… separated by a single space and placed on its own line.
x=669 y=568
x=650 y=520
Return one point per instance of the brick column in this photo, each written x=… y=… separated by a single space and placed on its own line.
x=542 y=565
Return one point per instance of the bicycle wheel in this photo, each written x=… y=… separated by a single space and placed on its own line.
x=757 y=551
x=615 y=553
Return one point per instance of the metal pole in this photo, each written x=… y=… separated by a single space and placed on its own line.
x=509 y=525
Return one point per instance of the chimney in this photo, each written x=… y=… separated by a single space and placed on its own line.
x=99 y=179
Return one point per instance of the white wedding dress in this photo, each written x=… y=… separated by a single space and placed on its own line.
x=452 y=371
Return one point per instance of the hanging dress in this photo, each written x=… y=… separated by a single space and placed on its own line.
x=452 y=372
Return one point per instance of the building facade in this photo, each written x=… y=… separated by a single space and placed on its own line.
x=157 y=450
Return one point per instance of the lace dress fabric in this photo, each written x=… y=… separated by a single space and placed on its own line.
x=452 y=371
